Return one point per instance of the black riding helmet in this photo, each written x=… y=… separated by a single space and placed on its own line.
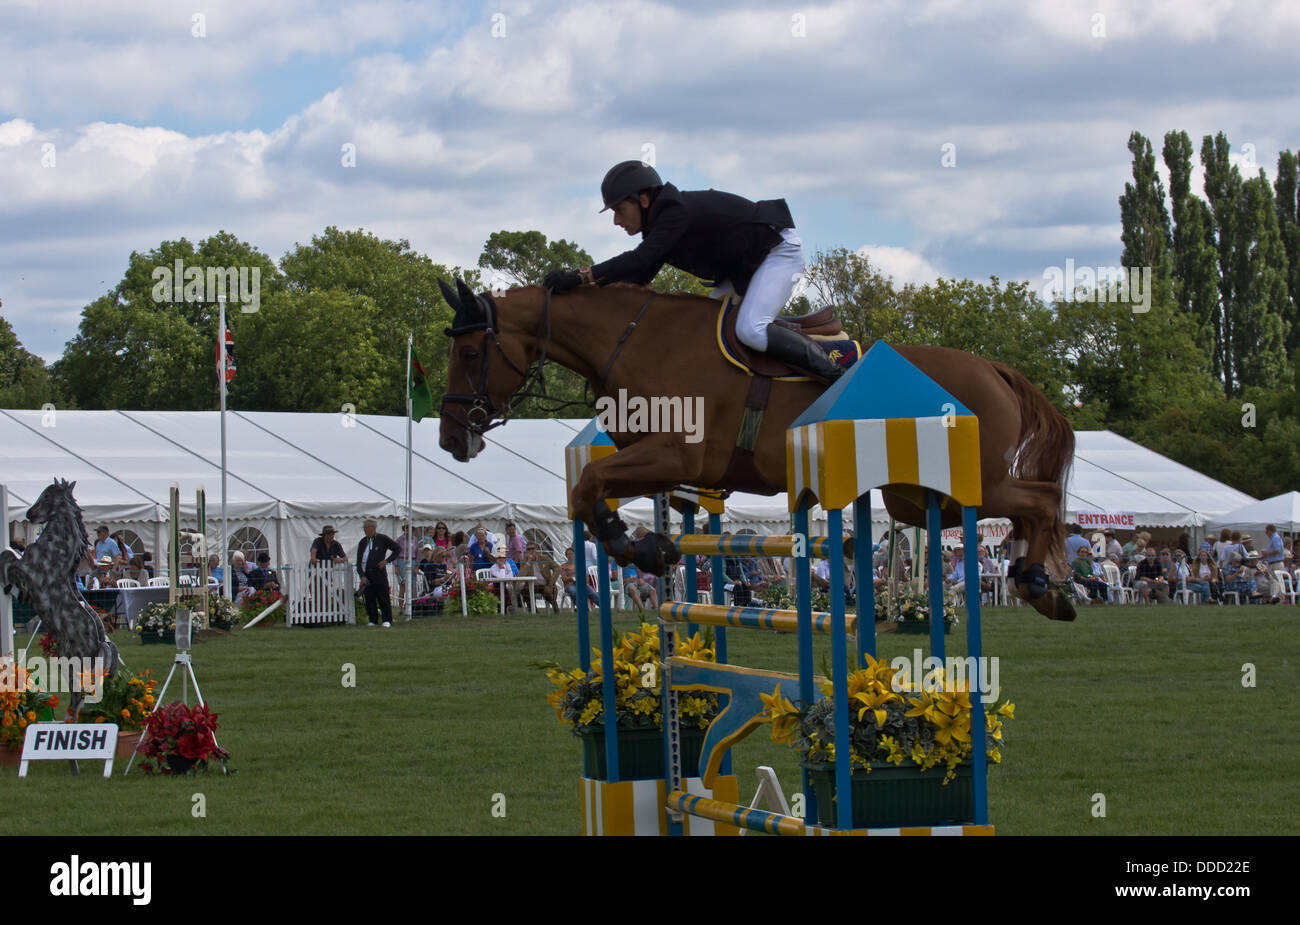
x=625 y=180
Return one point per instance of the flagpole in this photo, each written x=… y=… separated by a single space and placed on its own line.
x=221 y=377
x=410 y=588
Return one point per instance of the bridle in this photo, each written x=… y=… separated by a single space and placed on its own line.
x=482 y=414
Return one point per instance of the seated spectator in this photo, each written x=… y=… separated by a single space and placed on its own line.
x=438 y=579
x=1113 y=549
x=1074 y=541
x=136 y=570
x=1262 y=578
x=1205 y=579
x=737 y=583
x=263 y=578
x=639 y=591
x=480 y=551
x=1237 y=578
x=501 y=568
x=535 y=565
x=1150 y=580
x=1178 y=572
x=1088 y=574
x=214 y=567
x=569 y=577
x=239 y=584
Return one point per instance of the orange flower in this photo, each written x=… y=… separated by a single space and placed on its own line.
x=126 y=714
x=31 y=716
x=54 y=702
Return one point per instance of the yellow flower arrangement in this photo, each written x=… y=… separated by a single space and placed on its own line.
x=891 y=720
x=578 y=697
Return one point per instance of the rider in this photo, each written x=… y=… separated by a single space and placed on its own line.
x=749 y=248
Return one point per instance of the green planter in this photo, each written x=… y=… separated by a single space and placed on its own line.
x=640 y=753
x=891 y=796
x=921 y=627
x=166 y=637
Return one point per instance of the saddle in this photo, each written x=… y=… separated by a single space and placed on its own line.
x=820 y=326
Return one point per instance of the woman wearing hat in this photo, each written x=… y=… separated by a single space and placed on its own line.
x=749 y=248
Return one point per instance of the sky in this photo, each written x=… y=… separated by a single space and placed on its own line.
x=939 y=138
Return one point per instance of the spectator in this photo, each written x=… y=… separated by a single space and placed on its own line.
x=374 y=552
x=589 y=547
x=106 y=546
x=1179 y=572
x=325 y=549
x=1113 y=549
x=16 y=544
x=438 y=578
x=459 y=549
x=1074 y=542
x=126 y=553
x=1185 y=544
x=568 y=575
x=214 y=567
x=956 y=570
x=738 y=585
x=1205 y=579
x=1150 y=579
x=1129 y=548
x=1237 y=578
x=499 y=569
x=135 y=569
x=1223 y=548
x=240 y=586
x=535 y=565
x=262 y=578
x=1261 y=578
x=481 y=550
x=441 y=536
x=1087 y=573
x=1274 y=559
x=516 y=545
x=639 y=590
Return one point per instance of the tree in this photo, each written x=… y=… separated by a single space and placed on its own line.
x=402 y=285
x=524 y=257
x=1142 y=213
x=866 y=300
x=1195 y=275
x=150 y=343
x=1286 y=192
x=1263 y=306
x=24 y=380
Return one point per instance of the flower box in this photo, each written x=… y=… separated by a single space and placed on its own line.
x=890 y=796
x=640 y=753
x=921 y=627
x=151 y=638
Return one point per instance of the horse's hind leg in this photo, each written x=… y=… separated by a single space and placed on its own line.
x=1032 y=508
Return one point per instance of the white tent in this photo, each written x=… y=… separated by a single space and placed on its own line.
x=1283 y=511
x=289 y=474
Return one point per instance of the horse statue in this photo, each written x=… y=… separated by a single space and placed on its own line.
x=47 y=574
x=626 y=337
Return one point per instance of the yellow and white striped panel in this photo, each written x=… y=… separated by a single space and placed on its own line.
x=576 y=458
x=839 y=461
x=933 y=830
x=636 y=807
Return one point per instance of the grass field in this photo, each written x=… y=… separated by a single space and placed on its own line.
x=1143 y=705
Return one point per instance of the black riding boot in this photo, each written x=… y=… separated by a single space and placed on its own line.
x=801 y=353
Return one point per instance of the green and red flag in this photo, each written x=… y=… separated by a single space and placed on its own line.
x=421 y=396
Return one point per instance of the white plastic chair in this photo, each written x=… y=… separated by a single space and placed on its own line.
x=159 y=582
x=616 y=599
x=482 y=574
x=1288 y=589
x=1184 y=596
x=1118 y=593
x=127 y=583
x=188 y=581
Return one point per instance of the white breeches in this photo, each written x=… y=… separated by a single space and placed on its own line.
x=769 y=290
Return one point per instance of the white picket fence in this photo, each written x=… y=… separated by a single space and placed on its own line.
x=320 y=593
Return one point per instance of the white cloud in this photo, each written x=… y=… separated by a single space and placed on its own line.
x=900 y=263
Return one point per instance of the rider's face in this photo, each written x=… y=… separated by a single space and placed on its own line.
x=627 y=214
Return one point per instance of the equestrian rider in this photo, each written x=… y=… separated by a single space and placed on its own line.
x=749 y=248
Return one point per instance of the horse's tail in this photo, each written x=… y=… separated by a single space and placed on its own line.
x=1045 y=451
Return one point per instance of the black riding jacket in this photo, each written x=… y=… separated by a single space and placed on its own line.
x=710 y=234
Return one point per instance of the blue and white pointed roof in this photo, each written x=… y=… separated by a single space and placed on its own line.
x=884 y=422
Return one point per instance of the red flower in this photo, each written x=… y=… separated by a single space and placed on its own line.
x=194 y=745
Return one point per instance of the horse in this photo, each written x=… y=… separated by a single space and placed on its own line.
x=47 y=574
x=663 y=346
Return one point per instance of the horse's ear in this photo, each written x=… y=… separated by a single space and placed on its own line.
x=473 y=310
x=452 y=299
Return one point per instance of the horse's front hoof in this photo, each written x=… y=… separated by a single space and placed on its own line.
x=650 y=554
x=1064 y=609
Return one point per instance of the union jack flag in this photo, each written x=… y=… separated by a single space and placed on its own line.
x=230 y=357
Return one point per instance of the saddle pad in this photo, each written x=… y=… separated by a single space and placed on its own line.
x=842 y=351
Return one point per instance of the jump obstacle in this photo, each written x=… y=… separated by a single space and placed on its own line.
x=883 y=423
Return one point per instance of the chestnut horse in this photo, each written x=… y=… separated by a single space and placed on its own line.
x=625 y=337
